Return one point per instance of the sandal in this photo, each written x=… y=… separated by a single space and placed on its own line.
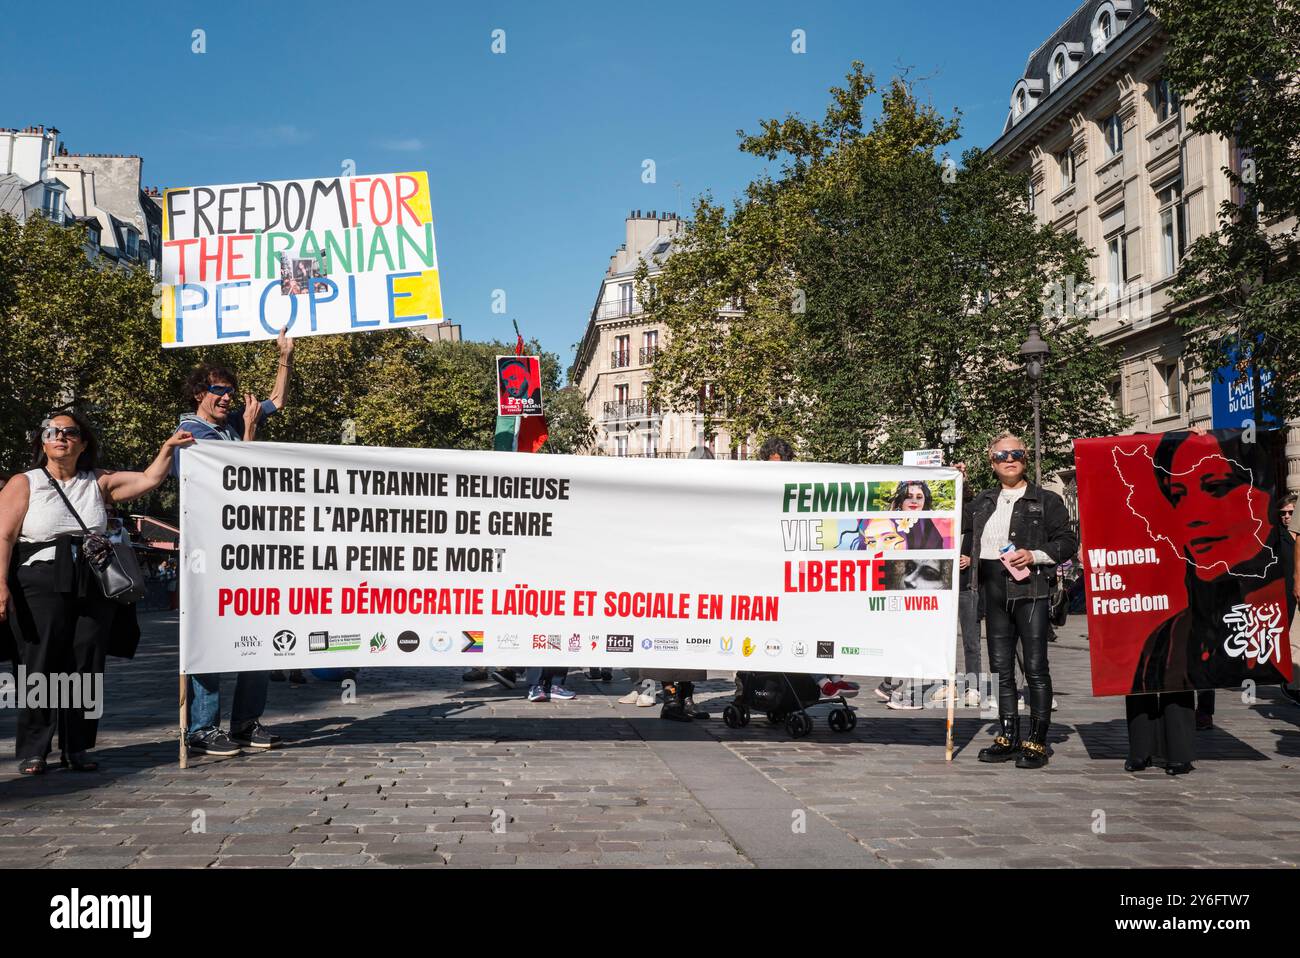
x=32 y=766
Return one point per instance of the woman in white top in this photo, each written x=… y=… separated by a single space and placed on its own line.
x=59 y=616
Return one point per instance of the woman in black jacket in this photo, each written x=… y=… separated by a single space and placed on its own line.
x=1029 y=527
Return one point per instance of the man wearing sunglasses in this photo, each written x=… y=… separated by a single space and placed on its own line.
x=1013 y=536
x=213 y=392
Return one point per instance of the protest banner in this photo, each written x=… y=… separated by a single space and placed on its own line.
x=302 y=556
x=1184 y=561
x=340 y=254
x=519 y=386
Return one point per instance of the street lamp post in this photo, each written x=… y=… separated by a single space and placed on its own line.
x=1034 y=352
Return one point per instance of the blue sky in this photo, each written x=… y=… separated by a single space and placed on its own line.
x=534 y=156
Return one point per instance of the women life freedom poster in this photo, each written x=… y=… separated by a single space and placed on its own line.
x=1188 y=568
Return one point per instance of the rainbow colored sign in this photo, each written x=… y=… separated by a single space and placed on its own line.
x=341 y=255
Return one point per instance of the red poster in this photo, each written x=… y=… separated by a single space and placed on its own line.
x=1185 y=561
x=519 y=386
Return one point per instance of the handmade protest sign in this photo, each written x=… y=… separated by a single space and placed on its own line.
x=307 y=556
x=342 y=254
x=519 y=386
x=1184 y=560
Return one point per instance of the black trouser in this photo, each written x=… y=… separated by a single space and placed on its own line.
x=1009 y=622
x=1161 y=726
x=58 y=632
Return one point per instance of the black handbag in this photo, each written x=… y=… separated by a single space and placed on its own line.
x=113 y=564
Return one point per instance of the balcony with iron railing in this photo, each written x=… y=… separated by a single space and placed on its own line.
x=625 y=410
x=622 y=358
x=619 y=309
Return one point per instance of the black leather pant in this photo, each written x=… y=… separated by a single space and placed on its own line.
x=1008 y=622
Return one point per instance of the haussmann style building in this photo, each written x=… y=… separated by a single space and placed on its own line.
x=1104 y=139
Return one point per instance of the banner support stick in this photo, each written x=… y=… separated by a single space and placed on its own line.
x=952 y=707
x=185 y=722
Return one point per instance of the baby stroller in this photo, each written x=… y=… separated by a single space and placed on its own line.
x=785 y=698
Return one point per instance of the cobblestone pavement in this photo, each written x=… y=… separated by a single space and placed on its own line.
x=425 y=770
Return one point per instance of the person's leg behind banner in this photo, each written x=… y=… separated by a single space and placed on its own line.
x=1204 y=709
x=968 y=617
x=1142 y=714
x=1178 y=729
x=554 y=680
x=246 y=728
x=205 y=738
x=536 y=691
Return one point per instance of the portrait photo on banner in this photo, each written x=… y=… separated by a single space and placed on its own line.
x=1186 y=560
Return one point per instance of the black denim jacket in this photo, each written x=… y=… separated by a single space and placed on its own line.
x=1039 y=521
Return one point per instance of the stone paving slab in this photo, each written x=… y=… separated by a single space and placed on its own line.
x=423 y=770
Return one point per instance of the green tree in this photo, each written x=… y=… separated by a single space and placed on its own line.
x=1235 y=65
x=82 y=332
x=439 y=395
x=569 y=427
x=885 y=294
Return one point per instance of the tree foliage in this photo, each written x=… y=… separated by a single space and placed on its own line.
x=885 y=294
x=1235 y=64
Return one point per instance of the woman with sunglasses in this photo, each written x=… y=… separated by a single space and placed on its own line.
x=59 y=617
x=1030 y=528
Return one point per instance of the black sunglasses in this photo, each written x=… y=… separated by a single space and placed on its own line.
x=51 y=433
x=221 y=390
x=1002 y=455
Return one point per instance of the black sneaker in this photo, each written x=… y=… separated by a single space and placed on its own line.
x=503 y=677
x=255 y=735
x=474 y=675
x=277 y=675
x=213 y=741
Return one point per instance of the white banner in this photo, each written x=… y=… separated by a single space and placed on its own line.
x=340 y=254
x=302 y=556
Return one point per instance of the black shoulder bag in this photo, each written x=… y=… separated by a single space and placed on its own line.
x=113 y=564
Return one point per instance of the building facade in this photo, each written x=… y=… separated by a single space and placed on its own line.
x=615 y=358
x=102 y=191
x=1105 y=142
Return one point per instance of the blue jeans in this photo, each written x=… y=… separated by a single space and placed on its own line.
x=205 y=699
x=544 y=677
x=968 y=615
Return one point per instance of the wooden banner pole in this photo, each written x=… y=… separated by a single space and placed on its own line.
x=185 y=723
x=952 y=707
